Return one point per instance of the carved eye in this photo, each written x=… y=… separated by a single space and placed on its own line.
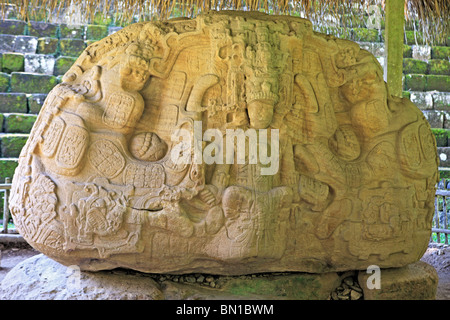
x=127 y=70
x=71 y=77
x=99 y=203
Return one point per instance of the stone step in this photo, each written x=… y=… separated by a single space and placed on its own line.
x=13 y=62
x=11 y=144
x=13 y=27
x=431 y=100
x=39 y=29
x=7 y=168
x=444 y=156
x=17 y=122
x=20 y=43
x=17 y=102
x=40 y=63
x=431 y=67
x=442 y=136
x=43 y=45
x=32 y=82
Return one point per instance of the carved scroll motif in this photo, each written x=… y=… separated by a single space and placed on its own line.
x=118 y=110
x=37 y=220
x=103 y=220
x=149 y=176
x=73 y=146
x=106 y=158
x=53 y=136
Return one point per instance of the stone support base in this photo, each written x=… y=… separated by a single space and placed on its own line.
x=416 y=281
x=41 y=278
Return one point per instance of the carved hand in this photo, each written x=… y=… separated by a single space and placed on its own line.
x=207 y=196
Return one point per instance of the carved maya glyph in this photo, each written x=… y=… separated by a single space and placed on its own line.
x=107 y=181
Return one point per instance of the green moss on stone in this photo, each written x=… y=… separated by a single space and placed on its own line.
x=365 y=35
x=440 y=52
x=441 y=136
x=13 y=62
x=7 y=168
x=32 y=82
x=42 y=29
x=13 y=102
x=415 y=82
x=438 y=83
x=63 y=64
x=72 y=32
x=96 y=32
x=19 y=123
x=47 y=45
x=414 y=66
x=100 y=19
x=439 y=66
x=35 y=102
x=71 y=47
x=444 y=174
x=14 y=27
x=406 y=94
x=407 y=51
x=413 y=37
x=4 y=81
x=12 y=144
x=300 y=286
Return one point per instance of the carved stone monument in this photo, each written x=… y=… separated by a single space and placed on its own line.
x=232 y=143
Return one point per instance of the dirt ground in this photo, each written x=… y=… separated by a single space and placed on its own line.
x=11 y=256
x=436 y=255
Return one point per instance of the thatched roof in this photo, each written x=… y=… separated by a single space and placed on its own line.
x=431 y=17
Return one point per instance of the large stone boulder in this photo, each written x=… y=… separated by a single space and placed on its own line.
x=232 y=143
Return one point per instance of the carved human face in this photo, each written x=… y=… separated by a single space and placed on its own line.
x=260 y=113
x=345 y=57
x=359 y=89
x=133 y=78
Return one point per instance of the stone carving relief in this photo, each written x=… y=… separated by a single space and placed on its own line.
x=231 y=143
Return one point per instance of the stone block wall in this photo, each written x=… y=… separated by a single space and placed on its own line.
x=33 y=58
x=427 y=84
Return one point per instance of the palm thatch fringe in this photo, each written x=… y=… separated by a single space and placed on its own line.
x=431 y=17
